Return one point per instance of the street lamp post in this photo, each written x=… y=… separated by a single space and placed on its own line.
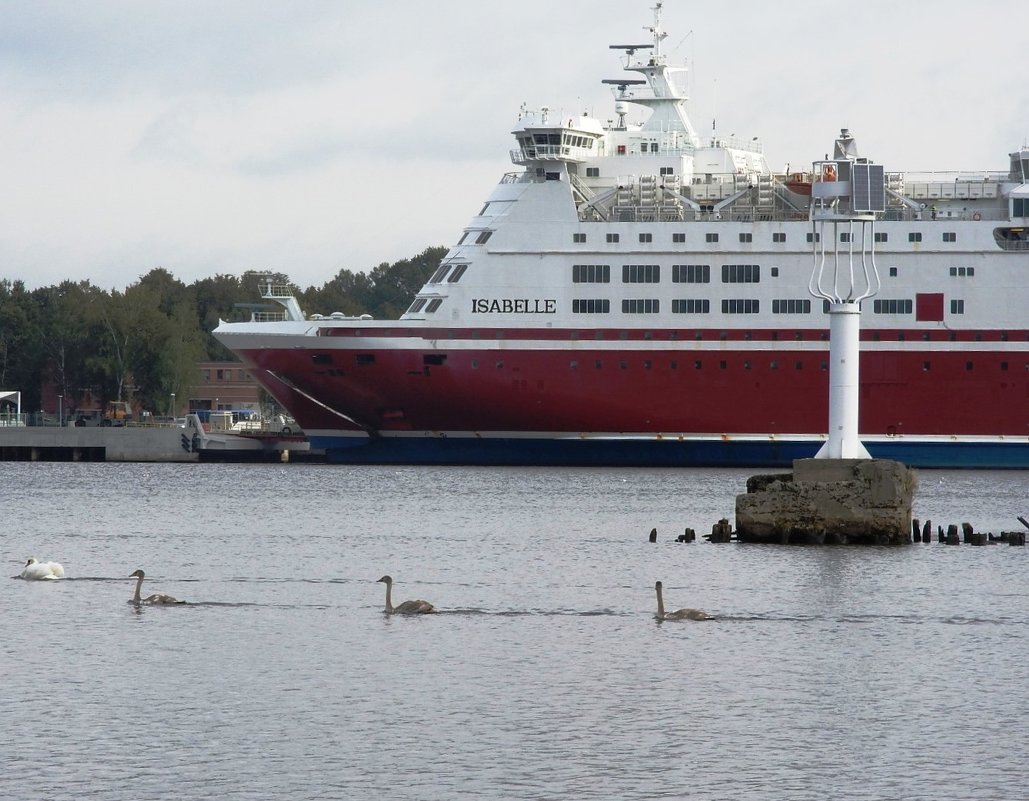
x=171 y=411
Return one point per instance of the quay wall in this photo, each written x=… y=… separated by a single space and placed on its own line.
x=94 y=444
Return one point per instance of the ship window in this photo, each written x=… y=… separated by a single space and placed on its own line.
x=723 y=365
x=845 y=236
x=591 y=273
x=647 y=364
x=540 y=139
x=475 y=364
x=641 y=306
x=433 y=305
x=915 y=236
x=366 y=358
x=815 y=237
x=456 y=275
x=464 y=236
x=653 y=147
x=553 y=176
x=417 y=305
x=679 y=237
x=573 y=364
x=950 y=236
x=775 y=272
x=621 y=150
x=579 y=238
x=710 y=237
x=1004 y=367
x=894 y=306
x=698 y=365
x=481 y=213
x=438 y=275
x=779 y=236
x=957 y=307
x=646 y=237
x=741 y=306
x=893 y=272
x=593 y=172
x=668 y=170
x=968 y=366
x=691 y=306
x=612 y=237
x=741 y=273
x=792 y=306
x=691 y=273
x=773 y=365
x=882 y=236
x=591 y=306
x=321 y=358
x=483 y=237
x=746 y=237
x=641 y=273
x=598 y=364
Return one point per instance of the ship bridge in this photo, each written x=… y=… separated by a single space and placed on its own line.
x=570 y=139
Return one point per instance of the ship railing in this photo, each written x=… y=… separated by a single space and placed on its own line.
x=268 y=316
x=277 y=291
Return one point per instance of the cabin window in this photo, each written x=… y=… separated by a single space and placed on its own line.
x=434 y=304
x=483 y=237
x=438 y=275
x=775 y=272
x=464 y=236
x=417 y=305
x=950 y=236
x=893 y=272
x=691 y=273
x=957 y=307
x=612 y=237
x=892 y=306
x=678 y=238
x=691 y=306
x=593 y=172
x=591 y=306
x=845 y=236
x=741 y=306
x=791 y=306
x=579 y=238
x=644 y=238
x=882 y=236
x=553 y=176
x=710 y=237
x=653 y=147
x=815 y=237
x=366 y=358
x=668 y=170
x=641 y=273
x=746 y=238
x=915 y=236
x=962 y=271
x=456 y=275
x=641 y=306
x=591 y=273
x=741 y=273
x=321 y=358
x=621 y=150
x=779 y=236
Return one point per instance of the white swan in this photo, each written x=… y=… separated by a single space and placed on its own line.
x=156 y=598
x=407 y=607
x=41 y=571
x=678 y=614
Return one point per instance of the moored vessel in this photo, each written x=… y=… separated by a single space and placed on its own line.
x=634 y=294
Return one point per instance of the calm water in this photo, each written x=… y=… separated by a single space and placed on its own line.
x=831 y=674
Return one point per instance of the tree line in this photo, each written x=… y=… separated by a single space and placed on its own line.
x=145 y=342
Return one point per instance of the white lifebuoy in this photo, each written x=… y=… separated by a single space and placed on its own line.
x=976 y=216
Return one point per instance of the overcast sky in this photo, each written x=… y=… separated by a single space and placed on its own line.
x=217 y=137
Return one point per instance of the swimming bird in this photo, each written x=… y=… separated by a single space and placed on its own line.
x=156 y=598
x=35 y=570
x=407 y=607
x=678 y=614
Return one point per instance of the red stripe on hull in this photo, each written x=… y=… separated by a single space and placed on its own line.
x=982 y=393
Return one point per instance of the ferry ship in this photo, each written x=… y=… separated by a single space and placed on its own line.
x=635 y=295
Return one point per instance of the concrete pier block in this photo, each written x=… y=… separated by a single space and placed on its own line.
x=830 y=501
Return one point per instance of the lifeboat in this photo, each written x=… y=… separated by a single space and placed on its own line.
x=799 y=182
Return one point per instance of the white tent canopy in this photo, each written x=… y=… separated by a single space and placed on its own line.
x=8 y=394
